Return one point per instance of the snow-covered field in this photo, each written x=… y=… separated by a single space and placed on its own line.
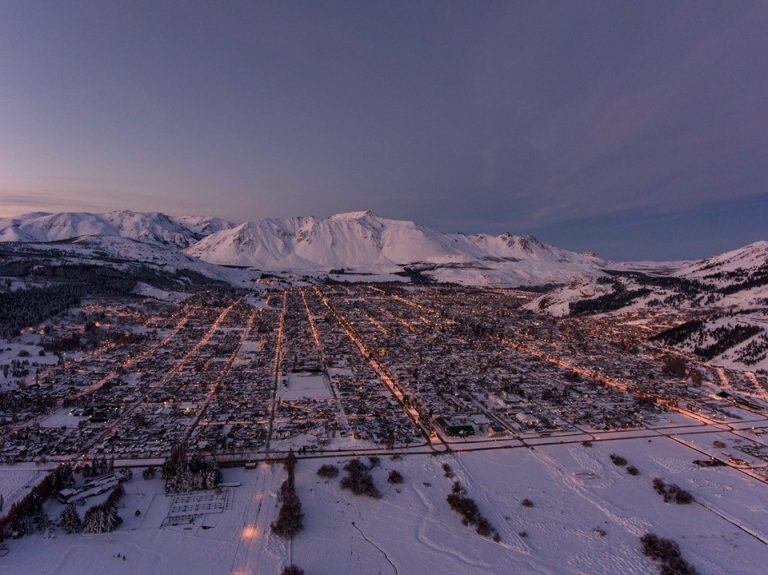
x=25 y=348
x=587 y=517
x=156 y=293
x=61 y=418
x=17 y=480
x=304 y=385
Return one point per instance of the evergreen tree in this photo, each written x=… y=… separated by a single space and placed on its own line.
x=70 y=520
x=101 y=519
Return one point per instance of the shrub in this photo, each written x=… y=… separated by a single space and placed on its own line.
x=292 y=570
x=395 y=477
x=328 y=470
x=470 y=514
x=359 y=480
x=632 y=470
x=666 y=552
x=526 y=502
x=672 y=492
x=618 y=459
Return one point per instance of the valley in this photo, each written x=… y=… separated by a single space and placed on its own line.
x=550 y=428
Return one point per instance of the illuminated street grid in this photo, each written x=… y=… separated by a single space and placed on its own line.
x=338 y=367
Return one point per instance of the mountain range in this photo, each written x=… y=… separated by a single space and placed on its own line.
x=354 y=245
x=726 y=295
x=349 y=244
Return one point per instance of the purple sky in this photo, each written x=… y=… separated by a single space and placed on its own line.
x=638 y=129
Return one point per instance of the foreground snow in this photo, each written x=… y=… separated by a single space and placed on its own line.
x=587 y=517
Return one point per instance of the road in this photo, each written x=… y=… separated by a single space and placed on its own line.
x=433 y=438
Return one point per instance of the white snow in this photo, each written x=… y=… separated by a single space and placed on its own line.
x=359 y=242
x=588 y=516
x=150 y=227
x=305 y=385
x=365 y=242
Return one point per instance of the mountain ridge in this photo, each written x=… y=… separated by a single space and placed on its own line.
x=350 y=242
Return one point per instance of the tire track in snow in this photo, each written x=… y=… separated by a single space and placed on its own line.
x=384 y=553
x=422 y=537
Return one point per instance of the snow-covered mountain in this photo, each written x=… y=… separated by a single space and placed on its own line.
x=354 y=242
x=727 y=294
x=154 y=228
x=364 y=242
x=736 y=262
x=734 y=280
x=358 y=240
x=722 y=302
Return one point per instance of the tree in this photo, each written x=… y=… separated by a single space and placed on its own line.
x=672 y=492
x=70 y=520
x=290 y=517
x=470 y=513
x=618 y=460
x=182 y=473
x=674 y=365
x=101 y=519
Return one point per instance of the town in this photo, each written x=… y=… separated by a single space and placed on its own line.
x=232 y=380
x=343 y=367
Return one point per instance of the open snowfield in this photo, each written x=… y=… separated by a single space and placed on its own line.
x=587 y=517
x=305 y=385
x=30 y=352
x=61 y=418
x=17 y=480
x=575 y=491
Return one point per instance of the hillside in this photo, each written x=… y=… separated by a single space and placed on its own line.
x=722 y=303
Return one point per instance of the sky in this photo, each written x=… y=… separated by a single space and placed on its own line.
x=638 y=130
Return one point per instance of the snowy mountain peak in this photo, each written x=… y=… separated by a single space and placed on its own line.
x=527 y=243
x=354 y=215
